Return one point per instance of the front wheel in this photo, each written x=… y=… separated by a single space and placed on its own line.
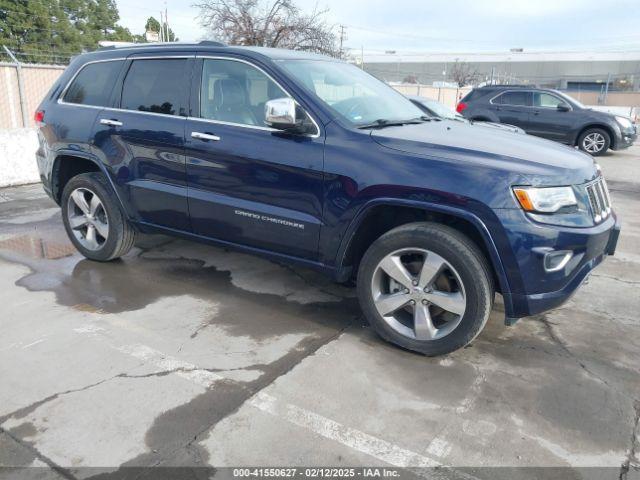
x=93 y=219
x=594 y=141
x=425 y=287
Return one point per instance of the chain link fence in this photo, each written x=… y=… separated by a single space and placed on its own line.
x=22 y=88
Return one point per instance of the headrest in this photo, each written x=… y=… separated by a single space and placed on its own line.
x=228 y=92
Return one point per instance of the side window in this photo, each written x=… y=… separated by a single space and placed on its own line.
x=93 y=85
x=235 y=92
x=519 y=99
x=546 y=100
x=155 y=86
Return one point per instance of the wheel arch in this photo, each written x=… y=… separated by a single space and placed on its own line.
x=603 y=126
x=379 y=216
x=68 y=163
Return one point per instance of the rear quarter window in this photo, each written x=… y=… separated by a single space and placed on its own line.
x=472 y=95
x=93 y=84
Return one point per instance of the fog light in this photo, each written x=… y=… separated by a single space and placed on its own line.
x=555 y=261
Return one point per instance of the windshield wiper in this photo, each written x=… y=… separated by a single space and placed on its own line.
x=383 y=122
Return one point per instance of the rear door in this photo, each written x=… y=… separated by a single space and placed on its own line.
x=250 y=184
x=143 y=139
x=513 y=107
x=547 y=120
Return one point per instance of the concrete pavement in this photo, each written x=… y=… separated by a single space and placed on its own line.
x=183 y=354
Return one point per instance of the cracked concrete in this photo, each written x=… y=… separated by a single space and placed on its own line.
x=186 y=355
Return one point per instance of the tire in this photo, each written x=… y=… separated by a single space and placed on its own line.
x=120 y=235
x=594 y=141
x=465 y=273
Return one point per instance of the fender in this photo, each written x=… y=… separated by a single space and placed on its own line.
x=597 y=124
x=495 y=259
x=93 y=159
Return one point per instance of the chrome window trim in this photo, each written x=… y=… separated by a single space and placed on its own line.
x=232 y=124
x=256 y=127
x=532 y=92
x=64 y=92
x=159 y=56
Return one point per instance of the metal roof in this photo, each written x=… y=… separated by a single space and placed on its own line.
x=497 y=57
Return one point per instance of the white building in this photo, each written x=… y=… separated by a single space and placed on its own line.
x=564 y=70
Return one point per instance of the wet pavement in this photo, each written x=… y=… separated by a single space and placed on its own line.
x=183 y=354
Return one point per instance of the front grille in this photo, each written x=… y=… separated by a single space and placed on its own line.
x=599 y=199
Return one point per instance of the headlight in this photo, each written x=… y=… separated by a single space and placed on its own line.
x=624 y=122
x=545 y=199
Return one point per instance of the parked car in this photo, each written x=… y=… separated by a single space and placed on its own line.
x=435 y=109
x=550 y=114
x=311 y=161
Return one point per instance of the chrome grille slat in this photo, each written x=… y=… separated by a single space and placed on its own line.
x=599 y=199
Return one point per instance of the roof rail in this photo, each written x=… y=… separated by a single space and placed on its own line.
x=212 y=43
x=117 y=45
x=501 y=85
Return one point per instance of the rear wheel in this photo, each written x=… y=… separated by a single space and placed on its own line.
x=594 y=141
x=425 y=287
x=93 y=220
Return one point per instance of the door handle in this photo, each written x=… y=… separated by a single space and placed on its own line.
x=205 y=136
x=111 y=123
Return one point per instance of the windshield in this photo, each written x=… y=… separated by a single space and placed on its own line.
x=357 y=96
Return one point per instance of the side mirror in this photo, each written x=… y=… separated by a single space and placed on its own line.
x=563 y=107
x=281 y=113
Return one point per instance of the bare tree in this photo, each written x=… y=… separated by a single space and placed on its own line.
x=463 y=74
x=268 y=23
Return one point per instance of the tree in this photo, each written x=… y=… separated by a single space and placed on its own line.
x=268 y=23
x=51 y=31
x=153 y=25
x=463 y=74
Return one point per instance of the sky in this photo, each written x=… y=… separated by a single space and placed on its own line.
x=443 y=25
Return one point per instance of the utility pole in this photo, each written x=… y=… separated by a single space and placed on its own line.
x=161 y=32
x=23 y=107
x=343 y=38
x=166 y=21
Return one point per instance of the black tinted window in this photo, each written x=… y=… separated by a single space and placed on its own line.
x=93 y=85
x=155 y=86
x=514 y=98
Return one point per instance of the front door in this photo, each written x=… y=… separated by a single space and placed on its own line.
x=250 y=184
x=551 y=117
x=143 y=140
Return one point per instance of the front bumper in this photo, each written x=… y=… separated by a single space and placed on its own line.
x=540 y=290
x=626 y=139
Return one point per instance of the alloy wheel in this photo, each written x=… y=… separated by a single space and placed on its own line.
x=87 y=218
x=418 y=294
x=594 y=142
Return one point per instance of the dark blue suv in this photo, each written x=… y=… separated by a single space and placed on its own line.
x=311 y=161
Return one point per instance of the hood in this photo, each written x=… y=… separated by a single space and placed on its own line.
x=503 y=126
x=540 y=161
